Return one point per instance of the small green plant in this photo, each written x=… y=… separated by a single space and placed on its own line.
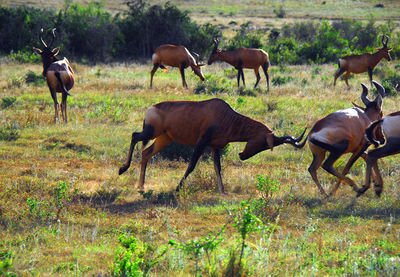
x=146 y=194
x=38 y=210
x=6 y=264
x=278 y=80
x=266 y=207
x=280 y=12
x=9 y=132
x=136 y=258
x=7 y=101
x=33 y=78
x=245 y=223
x=61 y=197
x=194 y=248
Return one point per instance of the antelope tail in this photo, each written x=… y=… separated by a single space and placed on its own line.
x=369 y=133
x=60 y=82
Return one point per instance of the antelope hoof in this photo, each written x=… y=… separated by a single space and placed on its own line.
x=122 y=169
x=361 y=191
x=378 y=193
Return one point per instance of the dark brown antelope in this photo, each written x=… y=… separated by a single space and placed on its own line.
x=342 y=132
x=362 y=63
x=390 y=127
x=59 y=74
x=210 y=123
x=242 y=58
x=176 y=56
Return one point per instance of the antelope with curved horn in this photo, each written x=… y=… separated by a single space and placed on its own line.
x=176 y=56
x=59 y=74
x=390 y=127
x=342 y=132
x=210 y=123
x=362 y=63
x=242 y=58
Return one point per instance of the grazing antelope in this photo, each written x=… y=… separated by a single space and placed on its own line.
x=362 y=63
x=342 y=132
x=176 y=56
x=390 y=126
x=210 y=123
x=242 y=58
x=59 y=74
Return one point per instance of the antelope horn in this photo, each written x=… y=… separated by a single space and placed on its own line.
x=292 y=140
x=383 y=40
x=54 y=36
x=41 y=39
x=379 y=88
x=364 y=96
x=197 y=57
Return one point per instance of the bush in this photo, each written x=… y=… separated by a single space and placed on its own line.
x=9 y=132
x=33 y=78
x=7 y=101
x=135 y=258
x=89 y=33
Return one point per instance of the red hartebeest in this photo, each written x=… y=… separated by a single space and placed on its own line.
x=210 y=123
x=59 y=74
x=362 y=63
x=390 y=126
x=176 y=56
x=242 y=58
x=342 y=132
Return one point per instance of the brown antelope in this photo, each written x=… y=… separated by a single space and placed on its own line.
x=390 y=126
x=59 y=74
x=362 y=63
x=342 y=132
x=242 y=58
x=176 y=56
x=210 y=123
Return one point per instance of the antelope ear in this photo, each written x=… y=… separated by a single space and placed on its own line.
x=270 y=141
x=37 y=50
x=390 y=49
x=55 y=51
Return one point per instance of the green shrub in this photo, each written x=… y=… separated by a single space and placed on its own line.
x=280 y=12
x=9 y=132
x=25 y=57
x=135 y=258
x=392 y=85
x=6 y=263
x=33 y=78
x=278 y=80
x=7 y=102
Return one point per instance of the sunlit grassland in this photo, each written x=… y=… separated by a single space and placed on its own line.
x=314 y=237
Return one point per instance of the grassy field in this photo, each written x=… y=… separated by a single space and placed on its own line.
x=72 y=170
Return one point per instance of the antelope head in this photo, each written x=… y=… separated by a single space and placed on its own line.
x=215 y=52
x=373 y=109
x=48 y=55
x=385 y=49
x=267 y=141
x=197 y=67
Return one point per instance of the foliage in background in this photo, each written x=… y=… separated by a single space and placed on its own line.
x=90 y=33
